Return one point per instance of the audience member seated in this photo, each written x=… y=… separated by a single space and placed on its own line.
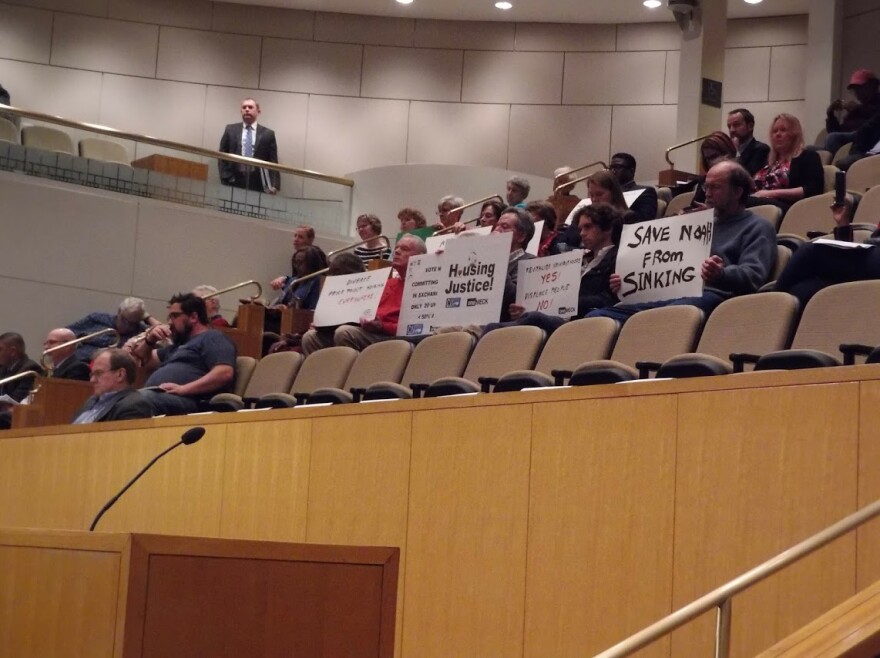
x=490 y=212
x=130 y=320
x=562 y=199
x=13 y=361
x=743 y=251
x=5 y=99
x=199 y=363
x=623 y=166
x=600 y=225
x=384 y=325
x=866 y=142
x=543 y=211
x=212 y=304
x=750 y=153
x=411 y=219
x=65 y=365
x=518 y=222
x=518 y=189
x=304 y=295
x=814 y=265
x=792 y=172
x=715 y=148
x=449 y=219
x=844 y=118
x=303 y=236
x=369 y=228
x=602 y=187
x=112 y=376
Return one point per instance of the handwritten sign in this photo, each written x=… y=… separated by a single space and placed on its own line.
x=535 y=243
x=463 y=285
x=661 y=259
x=438 y=242
x=350 y=297
x=628 y=197
x=550 y=284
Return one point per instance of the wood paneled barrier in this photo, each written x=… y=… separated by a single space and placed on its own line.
x=550 y=523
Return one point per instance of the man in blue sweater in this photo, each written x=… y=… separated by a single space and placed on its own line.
x=743 y=252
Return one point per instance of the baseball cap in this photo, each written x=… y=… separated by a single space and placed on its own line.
x=860 y=77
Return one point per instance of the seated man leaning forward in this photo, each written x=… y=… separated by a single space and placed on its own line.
x=199 y=363
x=384 y=325
x=112 y=376
x=743 y=251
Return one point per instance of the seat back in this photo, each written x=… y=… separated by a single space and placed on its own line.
x=503 y=350
x=820 y=138
x=679 y=203
x=380 y=362
x=830 y=172
x=771 y=213
x=825 y=156
x=48 y=139
x=783 y=255
x=327 y=368
x=841 y=153
x=103 y=149
x=661 y=207
x=810 y=214
x=843 y=313
x=658 y=334
x=750 y=324
x=577 y=341
x=664 y=193
x=863 y=174
x=441 y=355
x=274 y=373
x=8 y=131
x=868 y=211
x=244 y=369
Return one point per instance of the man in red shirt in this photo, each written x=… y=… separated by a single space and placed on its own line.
x=384 y=325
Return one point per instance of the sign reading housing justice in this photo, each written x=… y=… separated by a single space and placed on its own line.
x=463 y=285
x=661 y=259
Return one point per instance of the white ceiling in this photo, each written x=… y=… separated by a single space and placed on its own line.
x=552 y=11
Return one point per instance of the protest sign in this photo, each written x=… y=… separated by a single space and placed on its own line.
x=628 y=197
x=437 y=243
x=550 y=284
x=661 y=259
x=535 y=243
x=463 y=285
x=350 y=297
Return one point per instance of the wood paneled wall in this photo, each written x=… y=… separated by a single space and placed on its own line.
x=552 y=523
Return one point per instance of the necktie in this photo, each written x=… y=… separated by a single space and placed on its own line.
x=249 y=142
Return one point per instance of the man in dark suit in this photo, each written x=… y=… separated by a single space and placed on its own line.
x=251 y=140
x=13 y=361
x=750 y=153
x=112 y=376
x=623 y=166
x=65 y=364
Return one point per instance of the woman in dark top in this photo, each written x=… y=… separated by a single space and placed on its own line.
x=716 y=147
x=792 y=172
x=305 y=260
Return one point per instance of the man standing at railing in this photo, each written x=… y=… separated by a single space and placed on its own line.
x=251 y=140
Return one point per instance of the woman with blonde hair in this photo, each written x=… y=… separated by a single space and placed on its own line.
x=792 y=172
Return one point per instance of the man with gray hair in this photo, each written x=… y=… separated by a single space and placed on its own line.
x=518 y=189
x=130 y=320
x=384 y=325
x=518 y=222
x=212 y=305
x=113 y=374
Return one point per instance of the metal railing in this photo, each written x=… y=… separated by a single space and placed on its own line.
x=720 y=598
x=177 y=146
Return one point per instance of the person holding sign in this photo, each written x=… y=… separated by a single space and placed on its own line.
x=518 y=222
x=384 y=325
x=490 y=213
x=602 y=187
x=743 y=249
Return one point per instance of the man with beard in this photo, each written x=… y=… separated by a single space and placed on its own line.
x=199 y=363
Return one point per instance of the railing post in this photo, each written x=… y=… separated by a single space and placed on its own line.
x=722 y=629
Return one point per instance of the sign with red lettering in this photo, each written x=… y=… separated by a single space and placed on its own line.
x=550 y=285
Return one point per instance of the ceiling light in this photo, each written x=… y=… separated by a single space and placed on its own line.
x=405 y=2
x=652 y=4
x=503 y=5
x=753 y=2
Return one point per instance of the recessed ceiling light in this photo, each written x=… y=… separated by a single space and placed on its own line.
x=503 y=5
x=405 y=2
x=754 y=2
x=652 y=4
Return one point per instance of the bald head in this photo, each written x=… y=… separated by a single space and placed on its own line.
x=55 y=338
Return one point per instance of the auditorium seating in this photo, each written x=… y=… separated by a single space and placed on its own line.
x=48 y=139
x=327 y=368
x=498 y=352
x=868 y=212
x=846 y=313
x=8 y=131
x=810 y=214
x=244 y=370
x=771 y=213
x=385 y=361
x=652 y=336
x=863 y=174
x=830 y=172
x=273 y=374
x=841 y=153
x=104 y=150
x=679 y=203
x=746 y=325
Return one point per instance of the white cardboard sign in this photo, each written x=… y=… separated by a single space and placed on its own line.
x=350 y=297
x=550 y=284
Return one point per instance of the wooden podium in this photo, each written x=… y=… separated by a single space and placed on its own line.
x=69 y=594
x=55 y=402
x=248 y=332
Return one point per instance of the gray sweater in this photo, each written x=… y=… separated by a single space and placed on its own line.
x=747 y=245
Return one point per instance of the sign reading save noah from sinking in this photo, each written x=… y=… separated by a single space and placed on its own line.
x=661 y=259
x=463 y=285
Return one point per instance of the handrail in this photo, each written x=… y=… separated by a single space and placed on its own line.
x=165 y=143
x=556 y=187
x=21 y=375
x=678 y=146
x=720 y=597
x=251 y=282
x=75 y=341
x=473 y=203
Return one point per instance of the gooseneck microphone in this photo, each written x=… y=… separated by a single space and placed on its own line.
x=189 y=437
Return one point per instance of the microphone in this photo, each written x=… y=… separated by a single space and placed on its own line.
x=189 y=437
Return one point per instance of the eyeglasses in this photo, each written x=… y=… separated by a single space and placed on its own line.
x=173 y=315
